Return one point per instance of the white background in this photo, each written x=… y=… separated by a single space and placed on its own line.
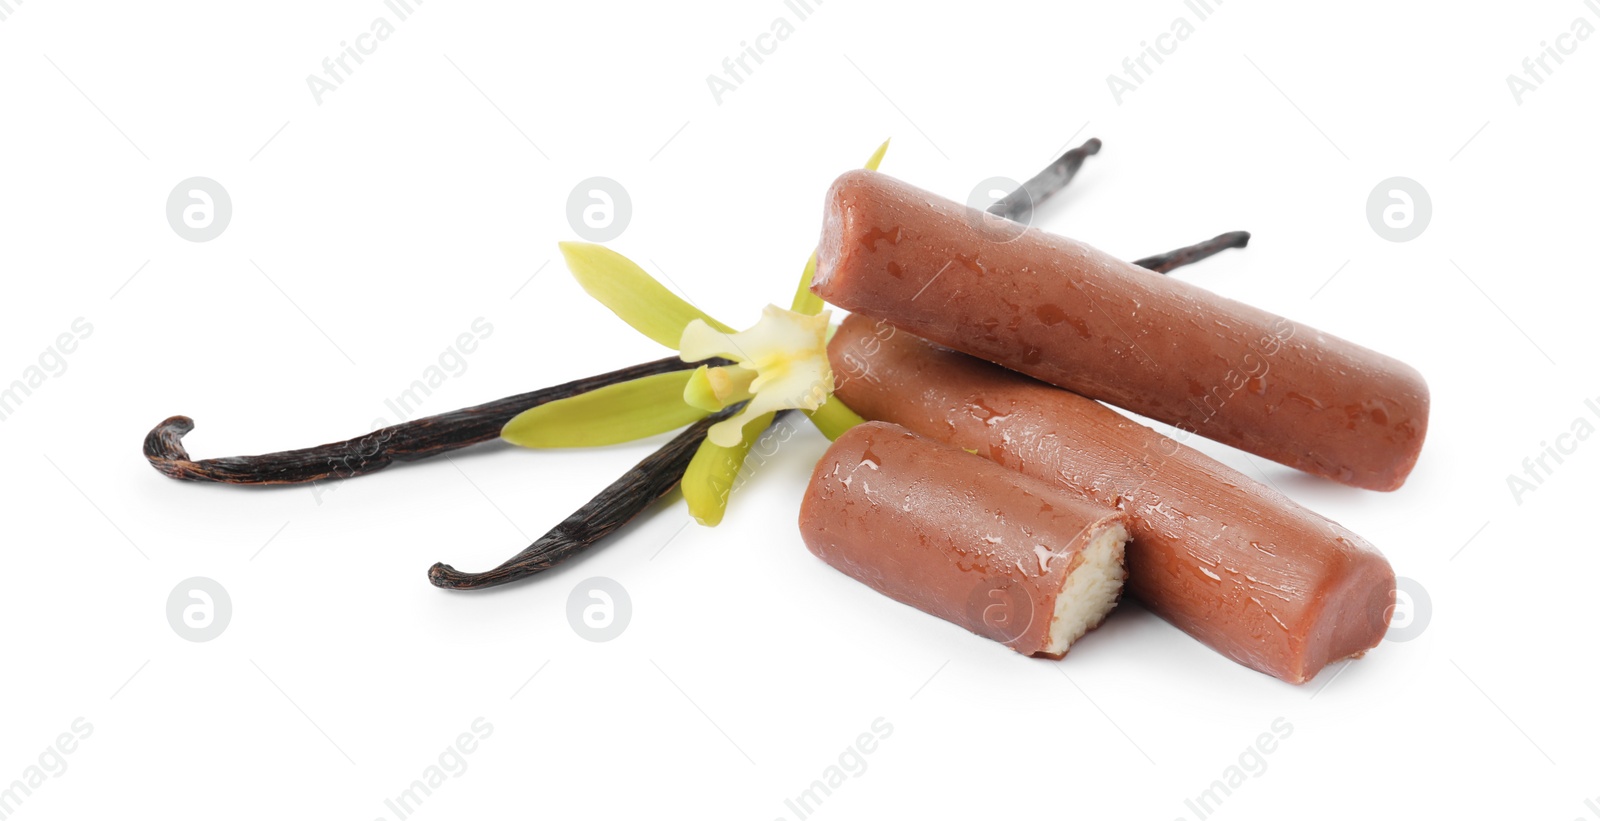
x=430 y=189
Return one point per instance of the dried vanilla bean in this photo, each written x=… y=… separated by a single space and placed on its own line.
x=614 y=507
x=1019 y=204
x=407 y=441
x=1190 y=254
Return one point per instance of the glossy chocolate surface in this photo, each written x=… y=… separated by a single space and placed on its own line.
x=947 y=532
x=1076 y=317
x=1228 y=560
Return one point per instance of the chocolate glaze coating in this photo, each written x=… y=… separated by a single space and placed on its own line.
x=949 y=533
x=1077 y=317
x=1228 y=560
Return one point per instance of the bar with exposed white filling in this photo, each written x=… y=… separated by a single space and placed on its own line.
x=1005 y=555
x=1226 y=559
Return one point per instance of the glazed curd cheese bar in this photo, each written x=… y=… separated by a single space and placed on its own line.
x=1005 y=555
x=1074 y=316
x=1226 y=559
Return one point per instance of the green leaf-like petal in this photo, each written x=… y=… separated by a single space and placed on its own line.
x=806 y=302
x=698 y=391
x=713 y=389
x=606 y=416
x=635 y=296
x=712 y=472
x=877 y=156
x=834 y=418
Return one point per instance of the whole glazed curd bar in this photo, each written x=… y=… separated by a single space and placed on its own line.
x=1082 y=319
x=1226 y=559
x=1005 y=555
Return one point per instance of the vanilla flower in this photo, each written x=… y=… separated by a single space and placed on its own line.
x=779 y=363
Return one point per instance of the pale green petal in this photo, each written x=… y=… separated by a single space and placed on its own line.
x=730 y=431
x=834 y=418
x=606 y=416
x=632 y=294
x=806 y=302
x=713 y=389
x=877 y=156
x=700 y=341
x=699 y=393
x=712 y=472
